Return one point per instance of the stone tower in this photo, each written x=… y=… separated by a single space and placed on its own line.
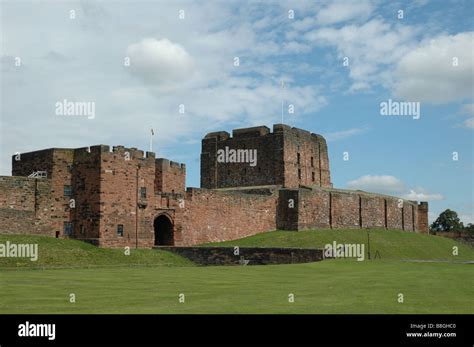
x=287 y=157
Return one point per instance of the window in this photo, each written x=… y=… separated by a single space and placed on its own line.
x=120 y=230
x=312 y=162
x=143 y=193
x=82 y=230
x=67 y=191
x=67 y=228
x=312 y=176
x=298 y=158
x=299 y=174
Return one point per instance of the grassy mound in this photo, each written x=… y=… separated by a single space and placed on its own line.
x=391 y=244
x=54 y=252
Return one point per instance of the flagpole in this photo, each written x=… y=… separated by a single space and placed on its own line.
x=282 y=99
x=151 y=140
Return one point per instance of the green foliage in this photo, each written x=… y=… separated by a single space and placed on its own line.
x=448 y=220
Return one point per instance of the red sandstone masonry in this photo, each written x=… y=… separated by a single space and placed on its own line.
x=170 y=176
x=288 y=157
x=106 y=189
x=313 y=209
x=25 y=205
x=332 y=208
x=212 y=216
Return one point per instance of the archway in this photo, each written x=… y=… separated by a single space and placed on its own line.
x=163 y=231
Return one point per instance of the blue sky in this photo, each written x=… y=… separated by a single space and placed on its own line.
x=76 y=51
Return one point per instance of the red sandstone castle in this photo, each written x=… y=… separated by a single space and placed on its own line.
x=124 y=197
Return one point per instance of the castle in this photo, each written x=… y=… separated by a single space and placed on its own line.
x=116 y=197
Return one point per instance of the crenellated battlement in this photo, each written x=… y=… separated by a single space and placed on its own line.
x=165 y=164
x=262 y=131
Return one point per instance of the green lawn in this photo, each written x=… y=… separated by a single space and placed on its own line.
x=331 y=286
x=391 y=244
x=149 y=281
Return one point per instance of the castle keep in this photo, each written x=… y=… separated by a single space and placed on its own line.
x=115 y=197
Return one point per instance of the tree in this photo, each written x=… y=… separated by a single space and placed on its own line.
x=448 y=220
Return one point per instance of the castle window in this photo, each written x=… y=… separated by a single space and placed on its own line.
x=299 y=174
x=298 y=158
x=142 y=192
x=312 y=162
x=67 y=228
x=312 y=176
x=82 y=229
x=67 y=191
x=120 y=230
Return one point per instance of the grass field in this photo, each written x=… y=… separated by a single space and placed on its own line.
x=330 y=286
x=391 y=244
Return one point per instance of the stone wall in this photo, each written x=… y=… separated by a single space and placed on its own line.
x=304 y=208
x=170 y=176
x=127 y=197
x=267 y=171
x=306 y=161
x=345 y=211
x=58 y=163
x=116 y=197
x=86 y=183
x=421 y=216
x=25 y=205
x=246 y=255
x=212 y=215
x=313 y=211
x=288 y=157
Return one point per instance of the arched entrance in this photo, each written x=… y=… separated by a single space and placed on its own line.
x=163 y=227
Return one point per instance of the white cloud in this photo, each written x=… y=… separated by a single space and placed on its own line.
x=344 y=134
x=373 y=49
x=469 y=123
x=159 y=61
x=422 y=196
x=173 y=62
x=386 y=184
x=427 y=73
x=340 y=11
x=378 y=184
x=469 y=110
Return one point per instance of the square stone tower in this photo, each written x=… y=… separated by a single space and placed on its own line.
x=287 y=157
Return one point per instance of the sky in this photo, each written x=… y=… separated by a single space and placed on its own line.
x=186 y=68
